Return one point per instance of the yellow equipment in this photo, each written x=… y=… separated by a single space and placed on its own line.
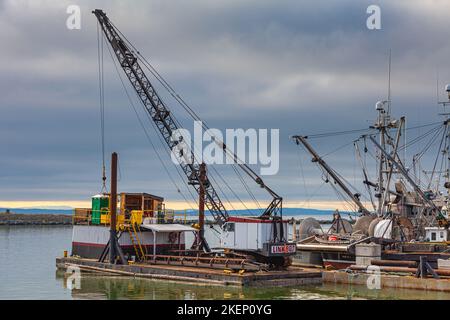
x=136 y=217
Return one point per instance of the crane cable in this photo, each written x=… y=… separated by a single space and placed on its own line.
x=205 y=127
x=148 y=136
x=188 y=109
x=364 y=170
x=101 y=101
x=437 y=158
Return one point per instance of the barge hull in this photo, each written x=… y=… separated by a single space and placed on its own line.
x=89 y=242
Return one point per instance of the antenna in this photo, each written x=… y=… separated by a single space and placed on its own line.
x=437 y=86
x=389 y=84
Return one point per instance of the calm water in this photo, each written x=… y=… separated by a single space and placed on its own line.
x=27 y=271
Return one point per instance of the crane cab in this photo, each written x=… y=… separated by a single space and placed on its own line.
x=254 y=234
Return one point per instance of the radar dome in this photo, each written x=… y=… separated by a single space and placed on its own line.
x=379 y=105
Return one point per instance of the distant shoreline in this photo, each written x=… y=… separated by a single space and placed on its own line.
x=20 y=219
x=57 y=217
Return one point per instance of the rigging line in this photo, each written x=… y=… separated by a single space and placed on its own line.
x=101 y=103
x=242 y=180
x=302 y=172
x=438 y=182
x=177 y=167
x=231 y=189
x=222 y=178
x=223 y=193
x=205 y=127
x=412 y=174
x=147 y=134
x=327 y=134
x=366 y=177
x=247 y=187
x=429 y=144
x=423 y=125
x=425 y=175
x=420 y=137
x=187 y=108
x=309 y=197
x=163 y=144
x=192 y=113
x=158 y=76
x=337 y=149
x=325 y=174
x=314 y=193
x=444 y=156
x=167 y=151
x=350 y=185
x=435 y=132
x=346 y=181
x=437 y=157
x=344 y=200
x=332 y=183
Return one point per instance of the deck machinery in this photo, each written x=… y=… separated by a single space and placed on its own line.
x=264 y=237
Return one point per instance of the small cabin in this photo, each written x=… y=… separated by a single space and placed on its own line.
x=132 y=207
x=436 y=234
x=150 y=205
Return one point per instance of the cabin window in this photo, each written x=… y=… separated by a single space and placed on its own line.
x=441 y=235
x=229 y=227
x=433 y=236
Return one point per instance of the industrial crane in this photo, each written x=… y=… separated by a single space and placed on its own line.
x=166 y=124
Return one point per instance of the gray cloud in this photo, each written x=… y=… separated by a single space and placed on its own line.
x=301 y=66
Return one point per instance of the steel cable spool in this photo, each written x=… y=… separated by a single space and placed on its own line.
x=362 y=224
x=373 y=225
x=309 y=227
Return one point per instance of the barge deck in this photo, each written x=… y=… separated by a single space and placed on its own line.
x=293 y=276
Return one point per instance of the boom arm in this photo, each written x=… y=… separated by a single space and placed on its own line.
x=324 y=165
x=166 y=124
x=159 y=113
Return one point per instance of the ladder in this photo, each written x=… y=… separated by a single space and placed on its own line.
x=134 y=237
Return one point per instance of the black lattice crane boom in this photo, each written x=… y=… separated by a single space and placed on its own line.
x=166 y=124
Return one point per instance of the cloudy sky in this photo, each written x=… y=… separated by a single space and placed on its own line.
x=303 y=67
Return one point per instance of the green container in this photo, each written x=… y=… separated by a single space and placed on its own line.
x=100 y=204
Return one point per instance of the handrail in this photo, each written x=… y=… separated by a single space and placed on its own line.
x=84 y=216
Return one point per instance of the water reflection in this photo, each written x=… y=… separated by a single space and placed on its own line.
x=116 y=287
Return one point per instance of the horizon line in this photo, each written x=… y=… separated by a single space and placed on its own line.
x=175 y=205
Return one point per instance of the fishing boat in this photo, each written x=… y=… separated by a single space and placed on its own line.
x=407 y=218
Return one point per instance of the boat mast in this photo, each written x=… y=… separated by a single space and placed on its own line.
x=382 y=125
x=446 y=150
x=391 y=169
x=404 y=172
